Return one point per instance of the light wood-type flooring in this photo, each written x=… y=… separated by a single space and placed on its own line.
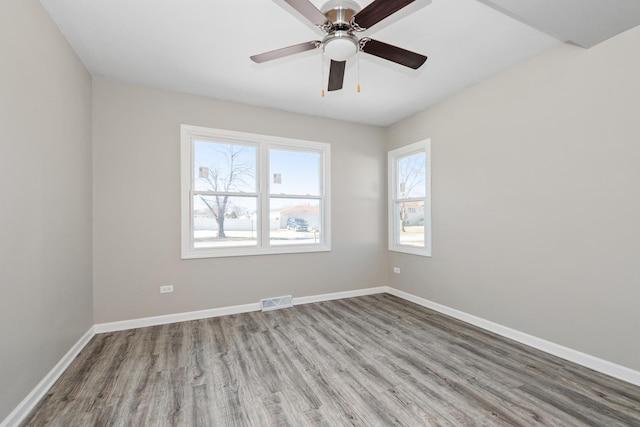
x=367 y=361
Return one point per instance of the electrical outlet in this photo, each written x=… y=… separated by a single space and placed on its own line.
x=166 y=289
x=396 y=270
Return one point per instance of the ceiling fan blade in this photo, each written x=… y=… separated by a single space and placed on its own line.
x=336 y=75
x=285 y=51
x=309 y=11
x=393 y=54
x=377 y=11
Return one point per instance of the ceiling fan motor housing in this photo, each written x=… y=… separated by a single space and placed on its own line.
x=340 y=44
x=340 y=12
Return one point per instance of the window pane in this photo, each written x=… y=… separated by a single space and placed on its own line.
x=220 y=221
x=224 y=167
x=409 y=223
x=411 y=176
x=294 y=172
x=295 y=222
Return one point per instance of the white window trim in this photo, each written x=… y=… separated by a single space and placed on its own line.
x=392 y=157
x=263 y=143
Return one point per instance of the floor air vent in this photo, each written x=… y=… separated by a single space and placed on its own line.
x=276 y=303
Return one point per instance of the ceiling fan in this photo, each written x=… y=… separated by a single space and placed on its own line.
x=340 y=21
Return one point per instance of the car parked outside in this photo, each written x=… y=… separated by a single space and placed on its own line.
x=297 y=224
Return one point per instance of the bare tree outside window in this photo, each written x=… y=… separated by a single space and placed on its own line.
x=411 y=181
x=225 y=171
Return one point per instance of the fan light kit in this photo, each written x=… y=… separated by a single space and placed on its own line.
x=340 y=20
x=340 y=46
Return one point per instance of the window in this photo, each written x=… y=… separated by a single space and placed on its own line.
x=245 y=194
x=410 y=199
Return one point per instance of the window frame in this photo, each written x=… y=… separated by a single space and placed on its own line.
x=393 y=158
x=263 y=143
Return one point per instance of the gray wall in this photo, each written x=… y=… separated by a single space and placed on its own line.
x=45 y=199
x=136 y=173
x=536 y=199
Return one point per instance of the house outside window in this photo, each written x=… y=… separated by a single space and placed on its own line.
x=409 y=171
x=247 y=194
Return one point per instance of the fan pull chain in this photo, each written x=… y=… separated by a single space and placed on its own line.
x=322 y=74
x=358 y=61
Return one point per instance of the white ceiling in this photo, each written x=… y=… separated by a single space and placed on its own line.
x=581 y=22
x=203 y=46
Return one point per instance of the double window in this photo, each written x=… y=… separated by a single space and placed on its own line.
x=409 y=171
x=246 y=194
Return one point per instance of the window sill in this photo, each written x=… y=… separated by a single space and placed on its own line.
x=411 y=250
x=251 y=251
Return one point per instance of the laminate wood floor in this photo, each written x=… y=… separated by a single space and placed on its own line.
x=368 y=361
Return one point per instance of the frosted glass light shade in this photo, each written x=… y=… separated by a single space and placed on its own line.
x=340 y=48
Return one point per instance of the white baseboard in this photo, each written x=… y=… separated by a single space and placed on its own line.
x=175 y=318
x=32 y=399
x=339 y=295
x=608 y=368
x=224 y=311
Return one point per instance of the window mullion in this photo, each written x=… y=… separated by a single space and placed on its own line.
x=295 y=196
x=411 y=199
x=263 y=191
x=222 y=193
